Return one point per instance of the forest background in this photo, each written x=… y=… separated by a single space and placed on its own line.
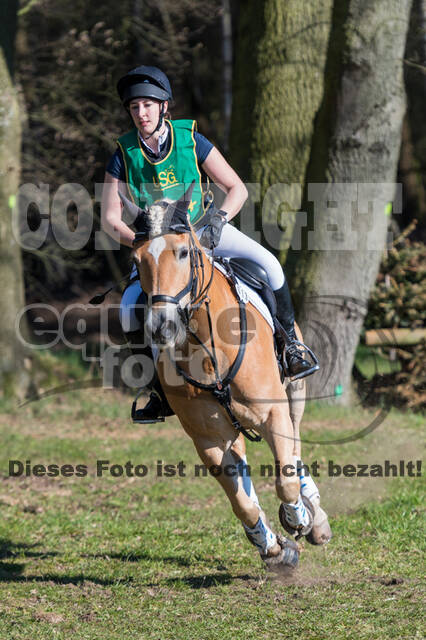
x=298 y=93
x=330 y=93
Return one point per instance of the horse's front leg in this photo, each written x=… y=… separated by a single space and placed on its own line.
x=275 y=550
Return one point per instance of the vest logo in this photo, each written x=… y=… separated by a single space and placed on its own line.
x=165 y=179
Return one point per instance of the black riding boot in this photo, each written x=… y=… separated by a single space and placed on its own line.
x=157 y=407
x=297 y=365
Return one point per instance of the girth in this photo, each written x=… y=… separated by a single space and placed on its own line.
x=221 y=389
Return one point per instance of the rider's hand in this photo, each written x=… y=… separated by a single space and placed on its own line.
x=210 y=237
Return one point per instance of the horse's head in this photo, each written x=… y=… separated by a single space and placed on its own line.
x=164 y=253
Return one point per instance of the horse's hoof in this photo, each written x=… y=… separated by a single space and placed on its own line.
x=303 y=531
x=321 y=531
x=288 y=558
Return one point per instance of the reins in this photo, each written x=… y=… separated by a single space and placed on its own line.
x=220 y=389
x=198 y=288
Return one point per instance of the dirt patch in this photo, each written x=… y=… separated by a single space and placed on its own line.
x=49 y=616
x=345 y=494
x=310 y=571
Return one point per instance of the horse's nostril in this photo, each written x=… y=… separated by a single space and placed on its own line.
x=168 y=329
x=166 y=332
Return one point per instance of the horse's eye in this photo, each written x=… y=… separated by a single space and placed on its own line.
x=183 y=253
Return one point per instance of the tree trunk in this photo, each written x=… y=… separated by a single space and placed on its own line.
x=8 y=22
x=12 y=373
x=356 y=140
x=412 y=174
x=412 y=161
x=227 y=70
x=137 y=18
x=278 y=86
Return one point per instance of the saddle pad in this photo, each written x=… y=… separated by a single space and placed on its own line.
x=250 y=295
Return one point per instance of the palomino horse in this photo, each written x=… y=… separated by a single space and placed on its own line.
x=189 y=310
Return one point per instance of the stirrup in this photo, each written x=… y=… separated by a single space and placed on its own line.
x=145 y=420
x=304 y=350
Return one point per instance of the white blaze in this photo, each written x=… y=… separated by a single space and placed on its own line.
x=156 y=247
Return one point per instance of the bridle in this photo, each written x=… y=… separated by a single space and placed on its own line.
x=198 y=286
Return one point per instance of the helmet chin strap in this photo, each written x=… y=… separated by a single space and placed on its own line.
x=159 y=124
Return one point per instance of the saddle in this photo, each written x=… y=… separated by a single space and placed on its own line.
x=256 y=277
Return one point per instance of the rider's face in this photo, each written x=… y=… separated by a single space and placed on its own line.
x=145 y=113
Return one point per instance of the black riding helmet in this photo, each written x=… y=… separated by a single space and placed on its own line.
x=144 y=82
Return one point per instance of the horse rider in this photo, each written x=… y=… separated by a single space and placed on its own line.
x=155 y=155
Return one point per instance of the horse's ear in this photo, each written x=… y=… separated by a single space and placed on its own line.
x=131 y=207
x=185 y=200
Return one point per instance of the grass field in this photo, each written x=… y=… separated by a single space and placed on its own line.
x=163 y=558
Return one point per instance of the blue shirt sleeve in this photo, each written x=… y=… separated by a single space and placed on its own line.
x=202 y=147
x=115 y=166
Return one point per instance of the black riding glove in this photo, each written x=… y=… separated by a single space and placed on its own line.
x=210 y=237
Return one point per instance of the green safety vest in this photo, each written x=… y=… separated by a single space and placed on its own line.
x=148 y=181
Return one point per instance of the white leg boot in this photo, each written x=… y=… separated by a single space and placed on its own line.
x=297 y=518
x=321 y=531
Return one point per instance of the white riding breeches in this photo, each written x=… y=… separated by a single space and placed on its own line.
x=233 y=244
